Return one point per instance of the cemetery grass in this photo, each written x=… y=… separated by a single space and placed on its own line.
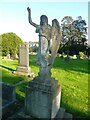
x=73 y=77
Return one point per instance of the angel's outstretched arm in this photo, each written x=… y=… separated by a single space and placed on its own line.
x=29 y=18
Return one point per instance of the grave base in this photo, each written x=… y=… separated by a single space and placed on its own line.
x=23 y=70
x=42 y=100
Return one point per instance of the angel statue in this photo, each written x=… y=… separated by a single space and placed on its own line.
x=49 y=40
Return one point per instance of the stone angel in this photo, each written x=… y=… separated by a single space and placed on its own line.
x=49 y=40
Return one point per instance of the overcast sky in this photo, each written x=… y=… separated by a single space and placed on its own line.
x=14 y=15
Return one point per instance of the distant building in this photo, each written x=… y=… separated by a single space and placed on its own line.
x=33 y=44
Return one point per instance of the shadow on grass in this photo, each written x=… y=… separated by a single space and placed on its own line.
x=74 y=65
x=77 y=114
x=32 y=60
x=60 y=63
x=7 y=68
x=8 y=77
x=11 y=79
x=20 y=98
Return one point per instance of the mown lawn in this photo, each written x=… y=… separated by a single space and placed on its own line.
x=73 y=77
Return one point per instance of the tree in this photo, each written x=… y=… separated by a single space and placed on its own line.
x=66 y=34
x=10 y=44
x=73 y=34
x=33 y=46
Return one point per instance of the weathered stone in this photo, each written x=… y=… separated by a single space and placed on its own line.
x=8 y=56
x=42 y=100
x=49 y=40
x=23 y=67
x=60 y=113
x=43 y=94
x=24 y=55
x=78 y=57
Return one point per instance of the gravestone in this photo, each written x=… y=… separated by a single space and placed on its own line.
x=78 y=57
x=85 y=57
x=43 y=94
x=8 y=97
x=16 y=56
x=67 y=59
x=74 y=56
x=23 y=67
x=8 y=56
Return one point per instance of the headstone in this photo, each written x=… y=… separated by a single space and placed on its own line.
x=85 y=57
x=62 y=55
x=78 y=57
x=16 y=56
x=74 y=57
x=43 y=94
x=8 y=56
x=89 y=57
x=23 y=67
x=67 y=59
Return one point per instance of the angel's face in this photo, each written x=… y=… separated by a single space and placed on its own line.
x=43 y=20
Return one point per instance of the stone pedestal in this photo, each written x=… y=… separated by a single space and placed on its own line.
x=42 y=100
x=23 y=69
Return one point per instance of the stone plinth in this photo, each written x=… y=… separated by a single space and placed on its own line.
x=42 y=100
x=23 y=69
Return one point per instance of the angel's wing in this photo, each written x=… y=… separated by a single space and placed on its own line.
x=56 y=38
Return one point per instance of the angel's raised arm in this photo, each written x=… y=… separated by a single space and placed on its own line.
x=29 y=18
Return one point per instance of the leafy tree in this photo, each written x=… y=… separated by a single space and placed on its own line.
x=67 y=27
x=10 y=44
x=33 y=46
x=73 y=34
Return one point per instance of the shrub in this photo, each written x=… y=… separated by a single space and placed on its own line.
x=81 y=54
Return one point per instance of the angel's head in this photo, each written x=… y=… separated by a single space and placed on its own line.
x=55 y=24
x=43 y=20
